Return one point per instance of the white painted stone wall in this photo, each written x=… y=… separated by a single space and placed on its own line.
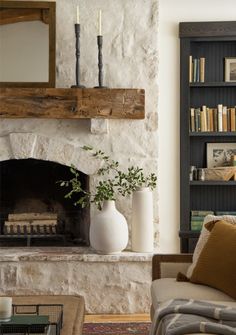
x=130 y=29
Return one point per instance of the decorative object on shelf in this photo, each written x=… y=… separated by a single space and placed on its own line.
x=100 y=57
x=142 y=220
x=106 y=191
x=201 y=174
x=108 y=230
x=230 y=69
x=219 y=154
x=77 y=52
x=5 y=309
x=220 y=173
x=192 y=173
x=233 y=163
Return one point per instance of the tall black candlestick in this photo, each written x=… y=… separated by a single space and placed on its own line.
x=77 y=54
x=100 y=63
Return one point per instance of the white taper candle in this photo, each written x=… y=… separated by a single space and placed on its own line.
x=77 y=16
x=100 y=23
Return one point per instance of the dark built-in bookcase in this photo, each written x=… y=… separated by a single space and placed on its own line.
x=214 y=41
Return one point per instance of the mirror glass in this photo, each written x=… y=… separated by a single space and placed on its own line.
x=27 y=43
x=24 y=52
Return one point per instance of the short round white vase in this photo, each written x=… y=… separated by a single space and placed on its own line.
x=142 y=220
x=108 y=230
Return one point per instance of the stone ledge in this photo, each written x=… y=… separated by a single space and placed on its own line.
x=79 y=254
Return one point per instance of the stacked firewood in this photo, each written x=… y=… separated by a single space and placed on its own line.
x=31 y=223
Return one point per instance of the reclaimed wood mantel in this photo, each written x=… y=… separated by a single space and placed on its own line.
x=72 y=103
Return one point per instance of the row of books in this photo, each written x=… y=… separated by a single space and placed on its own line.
x=196 y=70
x=197 y=217
x=217 y=119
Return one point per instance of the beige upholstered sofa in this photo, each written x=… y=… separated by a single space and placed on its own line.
x=165 y=287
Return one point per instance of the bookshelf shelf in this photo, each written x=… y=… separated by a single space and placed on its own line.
x=213 y=42
x=213 y=133
x=212 y=183
x=213 y=84
x=189 y=233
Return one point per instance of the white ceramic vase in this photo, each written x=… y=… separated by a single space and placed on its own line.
x=142 y=220
x=109 y=230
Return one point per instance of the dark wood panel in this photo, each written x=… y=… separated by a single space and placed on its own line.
x=72 y=103
x=214 y=41
x=207 y=29
x=212 y=96
x=213 y=197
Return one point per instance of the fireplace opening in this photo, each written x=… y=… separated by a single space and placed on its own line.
x=33 y=207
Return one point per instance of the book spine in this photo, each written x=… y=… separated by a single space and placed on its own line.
x=197 y=218
x=198 y=70
x=208 y=126
x=224 y=118
x=204 y=115
x=228 y=120
x=190 y=69
x=198 y=119
x=215 y=119
x=225 y=213
x=211 y=120
x=232 y=119
x=194 y=70
x=196 y=227
x=220 y=117
x=192 y=120
x=201 y=213
x=202 y=70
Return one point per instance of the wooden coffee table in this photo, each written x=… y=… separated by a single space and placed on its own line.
x=73 y=311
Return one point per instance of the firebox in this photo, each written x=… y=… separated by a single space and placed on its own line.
x=33 y=207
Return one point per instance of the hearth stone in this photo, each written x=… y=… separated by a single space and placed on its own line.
x=109 y=283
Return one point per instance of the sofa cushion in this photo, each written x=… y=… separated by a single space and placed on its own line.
x=216 y=265
x=204 y=237
x=168 y=288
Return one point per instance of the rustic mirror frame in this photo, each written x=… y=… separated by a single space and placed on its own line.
x=51 y=19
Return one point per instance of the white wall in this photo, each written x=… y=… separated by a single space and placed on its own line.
x=171 y=13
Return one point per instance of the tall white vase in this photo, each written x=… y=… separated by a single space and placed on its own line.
x=109 y=230
x=142 y=220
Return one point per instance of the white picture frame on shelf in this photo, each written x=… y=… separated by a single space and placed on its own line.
x=220 y=154
x=230 y=69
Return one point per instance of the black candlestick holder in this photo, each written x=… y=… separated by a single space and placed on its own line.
x=100 y=63
x=77 y=54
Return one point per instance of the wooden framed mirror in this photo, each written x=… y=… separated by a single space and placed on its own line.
x=27 y=43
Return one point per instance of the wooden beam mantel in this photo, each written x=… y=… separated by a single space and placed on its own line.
x=72 y=103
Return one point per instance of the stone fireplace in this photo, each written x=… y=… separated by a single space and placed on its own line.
x=130 y=60
x=32 y=186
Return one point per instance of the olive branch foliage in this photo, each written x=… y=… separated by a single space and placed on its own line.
x=123 y=183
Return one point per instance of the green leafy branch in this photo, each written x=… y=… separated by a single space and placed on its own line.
x=123 y=183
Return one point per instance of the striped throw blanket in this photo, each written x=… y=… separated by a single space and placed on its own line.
x=182 y=316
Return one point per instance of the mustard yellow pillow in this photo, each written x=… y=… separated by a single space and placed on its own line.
x=216 y=266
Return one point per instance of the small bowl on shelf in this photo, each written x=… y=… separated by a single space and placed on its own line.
x=220 y=173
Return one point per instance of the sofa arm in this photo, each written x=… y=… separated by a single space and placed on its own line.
x=169 y=265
